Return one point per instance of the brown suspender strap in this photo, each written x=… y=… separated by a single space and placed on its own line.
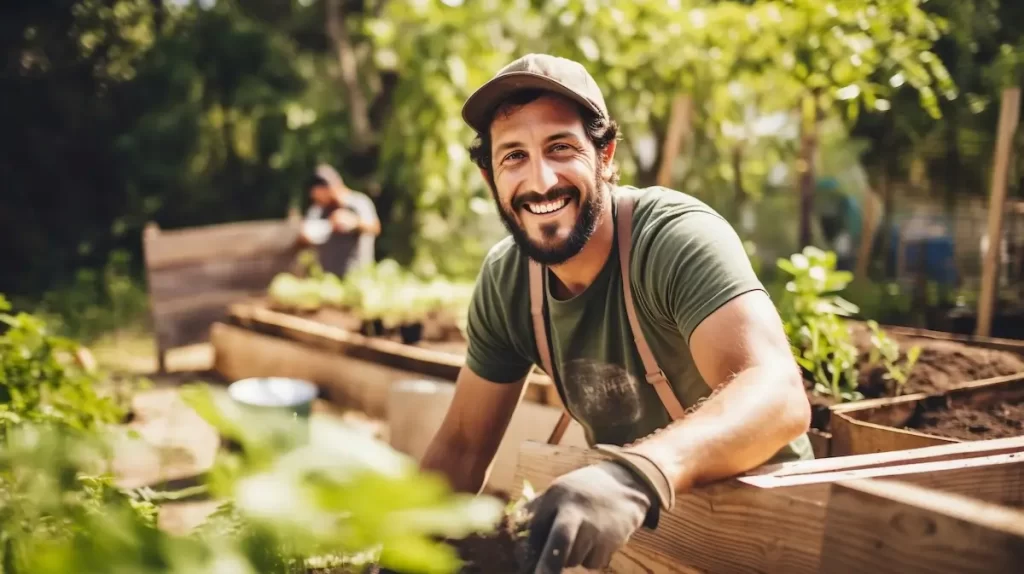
x=541 y=334
x=654 y=375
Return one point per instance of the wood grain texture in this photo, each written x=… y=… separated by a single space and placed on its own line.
x=773 y=520
x=996 y=343
x=193 y=274
x=411 y=358
x=875 y=426
x=177 y=247
x=370 y=388
x=883 y=526
x=1009 y=116
x=725 y=527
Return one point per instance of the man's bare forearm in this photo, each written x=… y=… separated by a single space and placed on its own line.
x=465 y=470
x=741 y=426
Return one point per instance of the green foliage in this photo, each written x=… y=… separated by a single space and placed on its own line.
x=886 y=351
x=40 y=381
x=300 y=492
x=330 y=489
x=96 y=303
x=814 y=318
x=383 y=290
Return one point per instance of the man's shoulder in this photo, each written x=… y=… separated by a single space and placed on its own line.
x=666 y=219
x=661 y=203
x=502 y=264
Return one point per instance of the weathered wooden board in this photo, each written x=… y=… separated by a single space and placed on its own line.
x=881 y=526
x=996 y=343
x=878 y=425
x=773 y=520
x=373 y=388
x=194 y=274
x=414 y=360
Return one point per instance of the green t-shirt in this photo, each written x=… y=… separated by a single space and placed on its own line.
x=687 y=261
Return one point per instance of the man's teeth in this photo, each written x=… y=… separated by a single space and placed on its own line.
x=547 y=206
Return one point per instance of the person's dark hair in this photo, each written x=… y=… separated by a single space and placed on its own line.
x=601 y=131
x=316 y=180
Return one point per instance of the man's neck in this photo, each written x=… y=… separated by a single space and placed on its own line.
x=575 y=275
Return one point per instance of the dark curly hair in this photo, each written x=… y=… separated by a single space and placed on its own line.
x=600 y=130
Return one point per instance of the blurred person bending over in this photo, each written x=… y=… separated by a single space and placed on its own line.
x=352 y=219
x=639 y=302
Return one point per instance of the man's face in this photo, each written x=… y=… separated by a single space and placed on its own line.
x=546 y=178
x=321 y=195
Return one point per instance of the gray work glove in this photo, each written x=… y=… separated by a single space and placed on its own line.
x=586 y=516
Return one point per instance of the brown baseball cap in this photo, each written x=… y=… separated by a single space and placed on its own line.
x=534 y=71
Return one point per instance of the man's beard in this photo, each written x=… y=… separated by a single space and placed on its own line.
x=583 y=228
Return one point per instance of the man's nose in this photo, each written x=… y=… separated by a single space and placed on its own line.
x=542 y=176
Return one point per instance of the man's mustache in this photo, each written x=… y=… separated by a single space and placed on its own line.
x=533 y=197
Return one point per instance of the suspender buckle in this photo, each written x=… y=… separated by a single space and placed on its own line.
x=656 y=377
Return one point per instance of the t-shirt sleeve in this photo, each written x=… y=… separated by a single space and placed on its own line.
x=490 y=353
x=364 y=207
x=696 y=264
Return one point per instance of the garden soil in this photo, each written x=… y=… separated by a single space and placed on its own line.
x=942 y=365
x=966 y=422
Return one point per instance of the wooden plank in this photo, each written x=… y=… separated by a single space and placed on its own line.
x=821 y=443
x=253 y=273
x=766 y=523
x=431 y=362
x=887 y=526
x=370 y=387
x=717 y=528
x=877 y=426
x=1009 y=113
x=945 y=452
x=996 y=478
x=173 y=248
x=995 y=343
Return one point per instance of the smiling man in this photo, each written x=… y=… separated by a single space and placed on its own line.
x=640 y=303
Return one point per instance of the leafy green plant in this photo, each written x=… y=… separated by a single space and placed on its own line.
x=886 y=351
x=815 y=320
x=319 y=488
x=41 y=382
x=812 y=313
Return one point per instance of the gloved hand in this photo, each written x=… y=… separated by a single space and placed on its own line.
x=585 y=516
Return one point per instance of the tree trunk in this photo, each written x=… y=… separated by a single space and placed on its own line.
x=358 y=108
x=808 y=148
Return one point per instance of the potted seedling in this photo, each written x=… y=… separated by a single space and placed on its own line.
x=417 y=304
x=292 y=294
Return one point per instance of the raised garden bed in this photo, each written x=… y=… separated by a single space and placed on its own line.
x=982 y=410
x=946 y=362
x=363 y=366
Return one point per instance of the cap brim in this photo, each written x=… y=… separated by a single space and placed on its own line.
x=478 y=108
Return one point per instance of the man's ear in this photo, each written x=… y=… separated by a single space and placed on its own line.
x=607 y=157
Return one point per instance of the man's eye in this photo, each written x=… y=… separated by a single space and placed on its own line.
x=514 y=156
x=561 y=147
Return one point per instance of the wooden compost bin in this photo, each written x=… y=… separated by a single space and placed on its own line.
x=885 y=425
x=954 y=508
x=822 y=439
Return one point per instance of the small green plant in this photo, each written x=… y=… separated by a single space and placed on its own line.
x=886 y=351
x=815 y=317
